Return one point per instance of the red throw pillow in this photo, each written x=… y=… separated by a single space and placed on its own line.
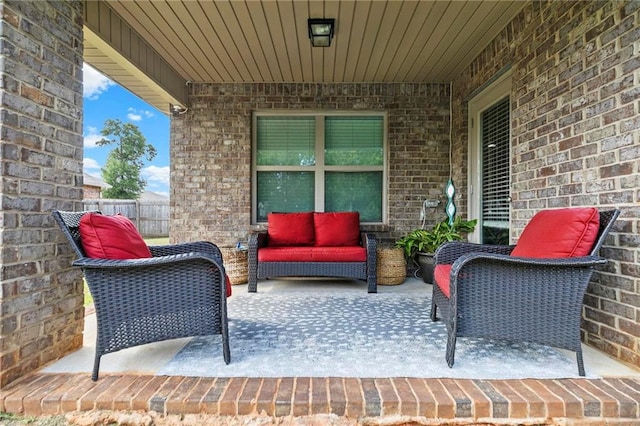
x=111 y=237
x=337 y=228
x=559 y=233
x=290 y=229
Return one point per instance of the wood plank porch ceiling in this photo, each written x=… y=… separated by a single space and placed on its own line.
x=267 y=40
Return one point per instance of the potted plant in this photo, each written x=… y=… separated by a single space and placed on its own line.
x=420 y=245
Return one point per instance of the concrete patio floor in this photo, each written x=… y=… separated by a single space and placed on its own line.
x=147 y=359
x=127 y=382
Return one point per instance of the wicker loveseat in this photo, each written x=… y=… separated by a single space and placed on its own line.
x=532 y=291
x=146 y=294
x=313 y=244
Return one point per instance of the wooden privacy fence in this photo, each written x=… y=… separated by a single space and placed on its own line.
x=151 y=217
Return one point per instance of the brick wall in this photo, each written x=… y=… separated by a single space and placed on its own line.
x=41 y=315
x=91 y=192
x=575 y=138
x=211 y=151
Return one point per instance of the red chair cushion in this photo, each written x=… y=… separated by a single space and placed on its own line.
x=312 y=254
x=442 y=277
x=111 y=237
x=290 y=229
x=227 y=285
x=559 y=233
x=337 y=228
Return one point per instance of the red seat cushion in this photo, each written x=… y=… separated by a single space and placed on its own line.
x=312 y=254
x=111 y=237
x=227 y=285
x=290 y=229
x=559 y=233
x=442 y=277
x=337 y=228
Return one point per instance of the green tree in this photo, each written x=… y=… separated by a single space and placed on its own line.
x=124 y=162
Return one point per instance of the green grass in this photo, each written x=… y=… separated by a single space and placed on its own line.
x=9 y=419
x=157 y=241
x=88 y=300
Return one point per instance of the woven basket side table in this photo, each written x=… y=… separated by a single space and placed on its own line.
x=236 y=264
x=391 y=266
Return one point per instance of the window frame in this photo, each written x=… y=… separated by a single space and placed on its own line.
x=319 y=169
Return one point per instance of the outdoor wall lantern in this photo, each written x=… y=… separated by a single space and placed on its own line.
x=321 y=31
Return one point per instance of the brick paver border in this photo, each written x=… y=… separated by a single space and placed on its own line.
x=608 y=400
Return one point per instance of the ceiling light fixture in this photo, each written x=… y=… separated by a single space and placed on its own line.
x=321 y=31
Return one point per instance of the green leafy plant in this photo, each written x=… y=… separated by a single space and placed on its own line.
x=428 y=240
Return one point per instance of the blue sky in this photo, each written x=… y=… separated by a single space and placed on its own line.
x=105 y=99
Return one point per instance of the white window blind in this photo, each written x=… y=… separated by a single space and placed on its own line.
x=286 y=141
x=353 y=141
x=495 y=165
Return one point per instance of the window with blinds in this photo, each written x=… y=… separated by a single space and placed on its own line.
x=319 y=162
x=495 y=172
x=351 y=141
x=286 y=141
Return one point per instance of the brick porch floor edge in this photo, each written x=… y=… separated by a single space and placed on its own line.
x=615 y=399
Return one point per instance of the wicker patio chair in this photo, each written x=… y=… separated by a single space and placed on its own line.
x=498 y=296
x=178 y=292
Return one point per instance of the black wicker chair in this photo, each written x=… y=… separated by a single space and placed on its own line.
x=494 y=295
x=179 y=292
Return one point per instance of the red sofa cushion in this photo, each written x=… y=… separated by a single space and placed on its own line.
x=337 y=228
x=442 y=277
x=559 y=233
x=111 y=237
x=312 y=254
x=290 y=229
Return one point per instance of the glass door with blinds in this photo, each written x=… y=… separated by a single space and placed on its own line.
x=489 y=163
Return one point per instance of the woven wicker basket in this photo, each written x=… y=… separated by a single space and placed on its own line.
x=235 y=263
x=391 y=266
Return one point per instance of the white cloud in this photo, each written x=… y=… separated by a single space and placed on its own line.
x=89 y=165
x=156 y=175
x=91 y=137
x=94 y=83
x=137 y=115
